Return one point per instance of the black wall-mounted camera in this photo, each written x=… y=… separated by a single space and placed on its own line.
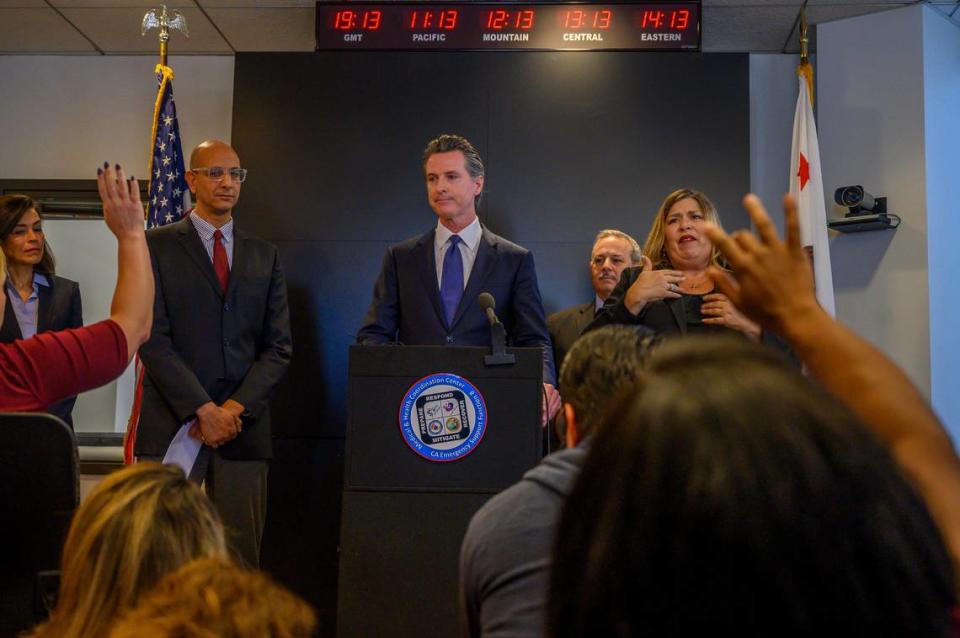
x=866 y=212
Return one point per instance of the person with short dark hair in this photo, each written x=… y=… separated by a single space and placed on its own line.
x=211 y=597
x=505 y=557
x=426 y=293
x=758 y=503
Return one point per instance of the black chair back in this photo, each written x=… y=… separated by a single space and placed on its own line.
x=39 y=492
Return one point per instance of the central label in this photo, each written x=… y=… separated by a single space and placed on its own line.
x=443 y=417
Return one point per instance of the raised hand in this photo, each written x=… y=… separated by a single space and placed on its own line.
x=122 y=208
x=774 y=282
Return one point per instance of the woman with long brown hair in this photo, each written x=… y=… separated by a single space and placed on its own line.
x=37 y=299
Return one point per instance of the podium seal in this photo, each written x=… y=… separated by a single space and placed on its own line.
x=443 y=417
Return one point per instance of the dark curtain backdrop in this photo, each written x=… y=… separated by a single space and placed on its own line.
x=572 y=142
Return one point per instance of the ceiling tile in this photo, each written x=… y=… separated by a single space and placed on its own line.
x=39 y=31
x=753 y=3
x=274 y=29
x=121 y=4
x=117 y=31
x=23 y=4
x=756 y=29
x=881 y=4
x=257 y=4
x=827 y=12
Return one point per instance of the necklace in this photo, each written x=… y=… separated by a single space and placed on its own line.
x=690 y=284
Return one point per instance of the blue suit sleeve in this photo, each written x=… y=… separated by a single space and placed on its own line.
x=530 y=323
x=380 y=325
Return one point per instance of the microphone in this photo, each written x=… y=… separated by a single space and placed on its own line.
x=488 y=303
x=498 y=335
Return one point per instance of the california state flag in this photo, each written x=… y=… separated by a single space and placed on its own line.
x=806 y=185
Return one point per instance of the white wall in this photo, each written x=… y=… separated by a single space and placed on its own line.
x=941 y=82
x=871 y=105
x=773 y=98
x=61 y=117
x=64 y=115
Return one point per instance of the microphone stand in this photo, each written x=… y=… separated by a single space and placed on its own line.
x=498 y=347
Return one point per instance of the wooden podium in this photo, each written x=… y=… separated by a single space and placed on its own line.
x=404 y=515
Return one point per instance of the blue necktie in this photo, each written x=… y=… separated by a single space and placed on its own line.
x=451 y=279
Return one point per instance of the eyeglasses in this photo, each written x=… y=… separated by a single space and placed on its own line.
x=216 y=173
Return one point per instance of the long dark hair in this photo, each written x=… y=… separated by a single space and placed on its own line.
x=12 y=210
x=732 y=495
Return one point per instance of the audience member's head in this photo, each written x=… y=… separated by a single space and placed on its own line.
x=139 y=524
x=613 y=252
x=600 y=366
x=211 y=598
x=730 y=494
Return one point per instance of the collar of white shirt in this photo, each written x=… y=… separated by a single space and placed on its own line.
x=470 y=236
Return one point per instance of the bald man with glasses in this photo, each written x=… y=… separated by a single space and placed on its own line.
x=220 y=345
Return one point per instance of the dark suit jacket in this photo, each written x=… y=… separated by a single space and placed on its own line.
x=665 y=317
x=406 y=299
x=565 y=327
x=208 y=346
x=58 y=308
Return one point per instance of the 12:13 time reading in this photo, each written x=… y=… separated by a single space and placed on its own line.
x=500 y=19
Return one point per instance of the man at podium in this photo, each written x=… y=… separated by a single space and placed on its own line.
x=427 y=290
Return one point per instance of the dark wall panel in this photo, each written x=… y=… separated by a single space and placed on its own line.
x=573 y=142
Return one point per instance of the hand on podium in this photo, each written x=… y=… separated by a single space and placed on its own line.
x=551 y=404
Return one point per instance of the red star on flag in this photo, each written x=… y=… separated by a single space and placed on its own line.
x=804 y=172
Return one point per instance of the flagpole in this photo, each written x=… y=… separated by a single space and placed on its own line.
x=166 y=183
x=806 y=177
x=805 y=69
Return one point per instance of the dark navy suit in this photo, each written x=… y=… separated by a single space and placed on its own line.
x=406 y=304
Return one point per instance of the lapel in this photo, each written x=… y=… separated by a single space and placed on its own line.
x=584 y=317
x=427 y=265
x=676 y=307
x=191 y=244
x=487 y=257
x=44 y=305
x=239 y=260
x=10 y=329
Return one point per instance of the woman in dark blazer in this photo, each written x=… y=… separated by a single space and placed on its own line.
x=672 y=292
x=37 y=299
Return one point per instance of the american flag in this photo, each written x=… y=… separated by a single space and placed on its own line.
x=169 y=199
x=168 y=192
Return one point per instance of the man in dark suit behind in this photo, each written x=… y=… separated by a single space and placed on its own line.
x=219 y=346
x=427 y=290
x=613 y=251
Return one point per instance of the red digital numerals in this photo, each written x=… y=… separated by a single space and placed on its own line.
x=499 y=20
x=347 y=20
x=580 y=19
x=445 y=20
x=677 y=20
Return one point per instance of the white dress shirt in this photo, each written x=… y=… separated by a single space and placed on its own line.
x=468 y=247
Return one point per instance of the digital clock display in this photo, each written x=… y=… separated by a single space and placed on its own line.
x=663 y=26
